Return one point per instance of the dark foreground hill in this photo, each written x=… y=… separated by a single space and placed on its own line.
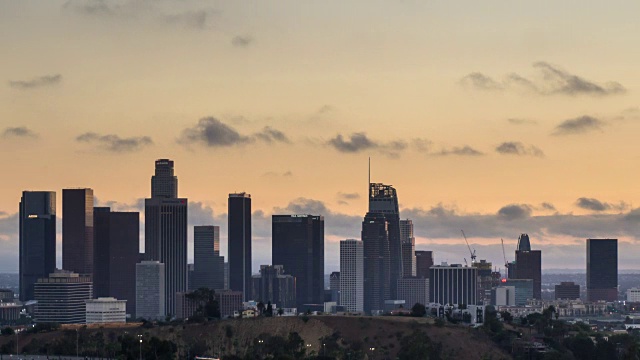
x=339 y=337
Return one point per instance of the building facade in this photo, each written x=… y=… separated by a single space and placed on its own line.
x=77 y=231
x=273 y=285
x=408 y=242
x=239 y=247
x=633 y=295
x=602 y=269
x=230 y=302
x=61 y=298
x=529 y=266
x=567 y=291
x=37 y=239
x=413 y=290
x=524 y=289
x=150 y=290
x=208 y=265
x=503 y=296
x=298 y=245
x=334 y=286
x=352 y=275
x=164 y=183
x=376 y=261
x=453 y=284
x=185 y=307
x=106 y=311
x=424 y=261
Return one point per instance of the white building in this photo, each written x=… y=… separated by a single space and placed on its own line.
x=150 y=290
x=633 y=295
x=503 y=296
x=106 y=310
x=352 y=275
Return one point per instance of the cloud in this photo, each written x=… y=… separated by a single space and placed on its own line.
x=516 y=121
x=269 y=135
x=552 y=80
x=214 y=133
x=514 y=212
x=460 y=151
x=115 y=143
x=20 y=131
x=579 y=125
x=518 y=148
x=598 y=206
x=547 y=206
x=242 y=41
x=349 y=196
x=42 y=81
x=358 y=142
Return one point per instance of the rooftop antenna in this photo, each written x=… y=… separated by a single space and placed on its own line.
x=369 y=171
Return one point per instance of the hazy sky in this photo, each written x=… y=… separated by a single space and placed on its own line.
x=493 y=117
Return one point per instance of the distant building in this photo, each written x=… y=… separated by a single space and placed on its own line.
x=503 y=296
x=602 y=269
x=633 y=295
x=486 y=281
x=106 y=310
x=164 y=183
x=273 y=285
x=116 y=242
x=298 y=245
x=424 y=261
x=375 y=241
x=6 y=295
x=208 y=264
x=185 y=307
x=334 y=286
x=529 y=264
x=61 y=298
x=9 y=311
x=524 y=289
x=229 y=301
x=239 y=238
x=226 y=275
x=408 y=248
x=150 y=290
x=567 y=291
x=190 y=284
x=453 y=284
x=77 y=231
x=413 y=290
x=351 y=275
x=37 y=244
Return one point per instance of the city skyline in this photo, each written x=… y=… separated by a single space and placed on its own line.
x=496 y=142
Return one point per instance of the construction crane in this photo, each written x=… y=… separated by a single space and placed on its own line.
x=506 y=264
x=473 y=253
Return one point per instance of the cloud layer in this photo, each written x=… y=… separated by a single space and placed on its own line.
x=115 y=143
x=211 y=132
x=20 y=132
x=518 y=148
x=579 y=125
x=42 y=81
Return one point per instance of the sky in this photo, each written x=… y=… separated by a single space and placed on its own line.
x=494 y=117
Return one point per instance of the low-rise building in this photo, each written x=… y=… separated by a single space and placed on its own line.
x=633 y=295
x=61 y=298
x=229 y=301
x=567 y=291
x=106 y=310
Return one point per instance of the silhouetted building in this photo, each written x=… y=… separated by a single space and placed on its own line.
x=453 y=284
x=190 y=284
x=602 y=269
x=37 y=230
x=334 y=287
x=486 y=281
x=567 y=291
x=408 y=242
x=352 y=275
x=229 y=301
x=77 y=231
x=376 y=259
x=166 y=232
x=384 y=199
x=117 y=244
x=186 y=307
x=529 y=264
x=413 y=290
x=239 y=248
x=208 y=271
x=298 y=245
x=61 y=298
x=424 y=261
x=273 y=285
x=523 y=243
x=150 y=290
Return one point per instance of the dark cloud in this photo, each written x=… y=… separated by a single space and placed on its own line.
x=598 y=206
x=242 y=41
x=349 y=196
x=115 y=143
x=579 y=125
x=548 y=206
x=47 y=80
x=269 y=135
x=514 y=212
x=214 y=133
x=516 y=121
x=358 y=142
x=20 y=131
x=518 y=148
x=460 y=151
x=553 y=80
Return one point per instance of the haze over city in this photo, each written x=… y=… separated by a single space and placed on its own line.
x=528 y=126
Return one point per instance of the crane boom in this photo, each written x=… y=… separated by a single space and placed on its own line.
x=473 y=253
x=506 y=264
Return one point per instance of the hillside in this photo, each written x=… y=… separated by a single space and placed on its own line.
x=343 y=337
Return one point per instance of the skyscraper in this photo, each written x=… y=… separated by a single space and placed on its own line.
x=208 y=271
x=239 y=247
x=529 y=264
x=408 y=248
x=352 y=275
x=273 y=285
x=384 y=199
x=298 y=245
x=376 y=260
x=166 y=231
x=77 y=231
x=37 y=239
x=424 y=260
x=602 y=269
x=150 y=290
x=117 y=247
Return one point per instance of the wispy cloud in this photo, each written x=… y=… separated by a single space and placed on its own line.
x=42 y=81
x=465 y=150
x=115 y=143
x=598 y=206
x=579 y=125
x=212 y=132
x=518 y=148
x=358 y=142
x=20 y=132
x=518 y=121
x=242 y=41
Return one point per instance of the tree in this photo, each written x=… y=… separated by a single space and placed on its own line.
x=506 y=316
x=7 y=331
x=418 y=310
x=419 y=346
x=260 y=307
x=280 y=312
x=269 y=310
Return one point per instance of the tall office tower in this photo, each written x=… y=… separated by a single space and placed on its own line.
x=408 y=248
x=352 y=275
x=453 y=284
x=239 y=247
x=150 y=290
x=117 y=247
x=208 y=265
x=602 y=269
x=164 y=184
x=298 y=245
x=334 y=286
x=61 y=298
x=273 y=285
x=424 y=261
x=37 y=239
x=166 y=231
x=384 y=199
x=376 y=260
x=77 y=231
x=529 y=264
x=568 y=290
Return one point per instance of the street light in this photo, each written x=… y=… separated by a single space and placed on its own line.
x=323 y=351
x=140 y=336
x=77 y=344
